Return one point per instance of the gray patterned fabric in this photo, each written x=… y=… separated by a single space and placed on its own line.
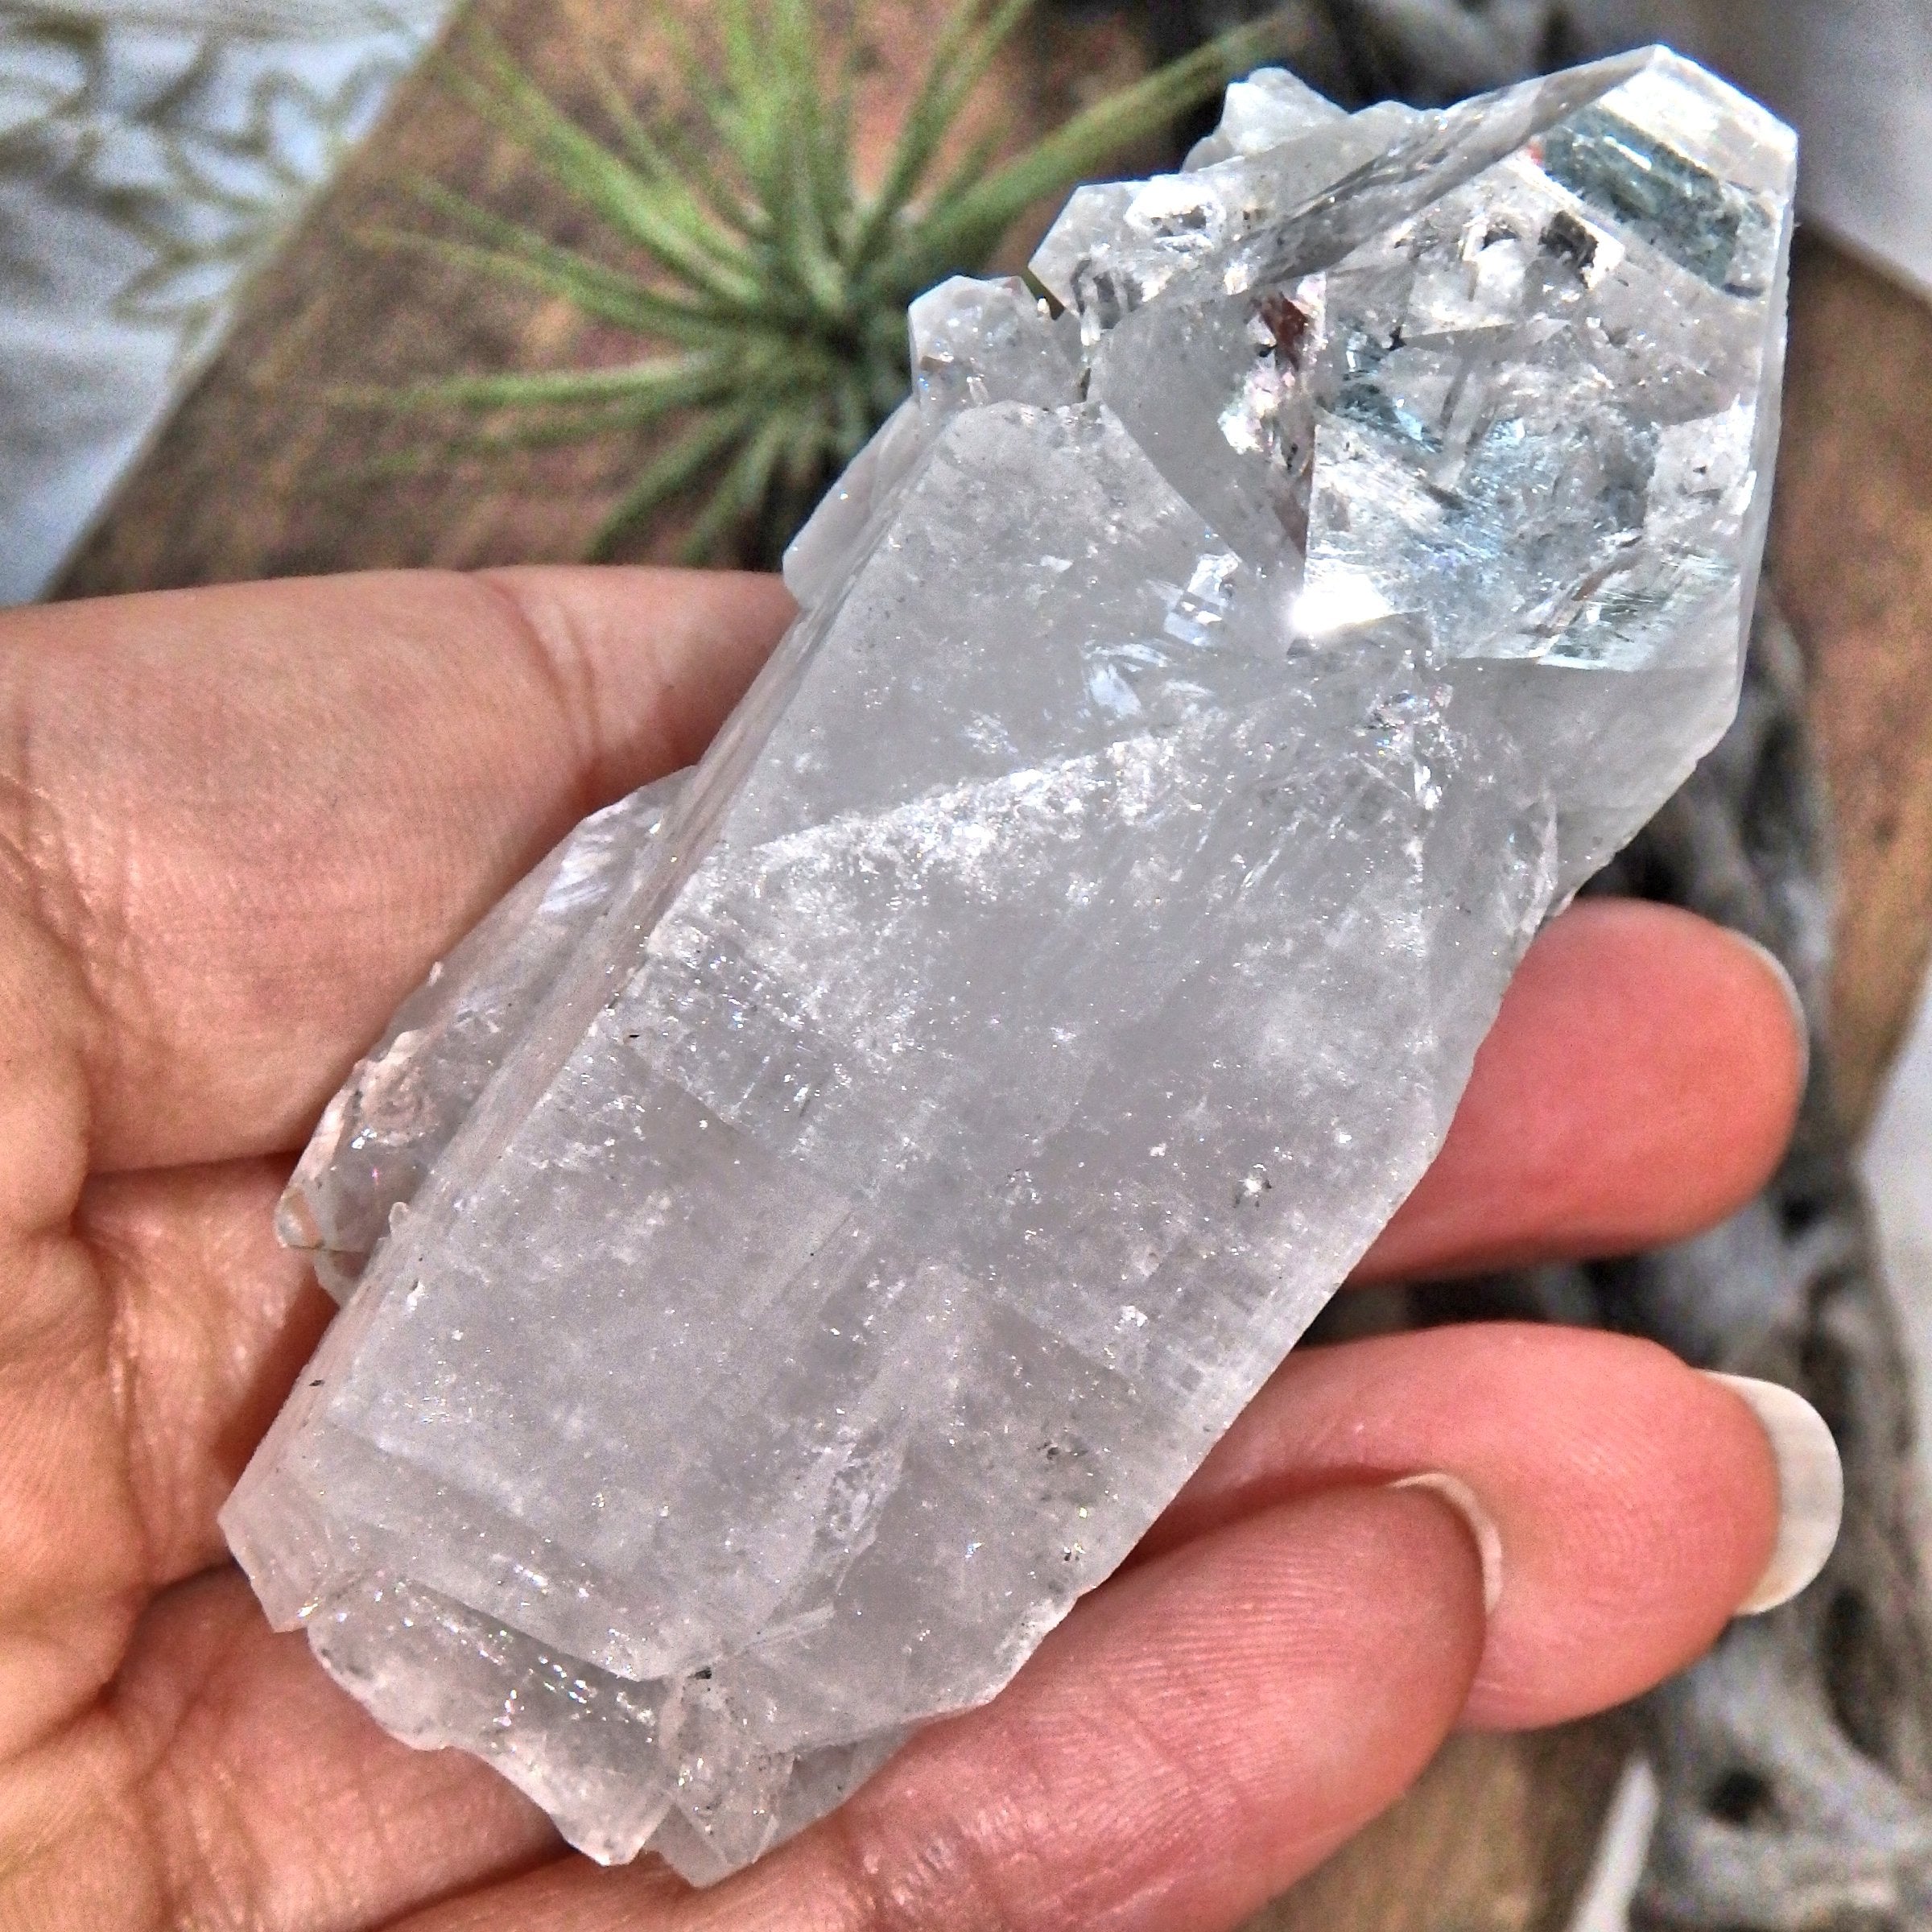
x=151 y=153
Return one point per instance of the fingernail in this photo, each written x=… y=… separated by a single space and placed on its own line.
x=1810 y=1489
x=1799 y=1017
x=1463 y=1500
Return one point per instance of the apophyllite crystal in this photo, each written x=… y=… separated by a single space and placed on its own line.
x=799 y=1242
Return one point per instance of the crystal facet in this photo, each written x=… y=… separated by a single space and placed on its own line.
x=802 y=1239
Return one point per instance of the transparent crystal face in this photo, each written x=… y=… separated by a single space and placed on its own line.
x=803 y=1237
x=383 y=1132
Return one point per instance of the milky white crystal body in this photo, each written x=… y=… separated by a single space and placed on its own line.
x=788 y=1274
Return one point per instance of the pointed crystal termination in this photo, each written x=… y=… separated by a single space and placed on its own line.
x=810 y=1231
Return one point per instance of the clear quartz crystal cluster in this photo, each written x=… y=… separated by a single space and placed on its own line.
x=800 y=1241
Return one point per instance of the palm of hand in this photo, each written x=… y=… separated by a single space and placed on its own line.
x=235 y=827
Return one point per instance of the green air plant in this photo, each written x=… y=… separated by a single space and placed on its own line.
x=772 y=288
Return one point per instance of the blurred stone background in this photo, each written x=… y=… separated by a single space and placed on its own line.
x=183 y=187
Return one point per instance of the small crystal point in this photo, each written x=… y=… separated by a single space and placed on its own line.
x=804 y=1236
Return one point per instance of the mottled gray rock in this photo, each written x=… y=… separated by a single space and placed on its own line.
x=833 y=1253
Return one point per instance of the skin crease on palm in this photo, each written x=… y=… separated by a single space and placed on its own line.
x=236 y=826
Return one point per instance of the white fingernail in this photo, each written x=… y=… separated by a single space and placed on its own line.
x=1794 y=998
x=1810 y=1489
x=1462 y=1499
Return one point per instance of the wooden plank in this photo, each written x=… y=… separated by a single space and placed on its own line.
x=1498 y=1835
x=1853 y=551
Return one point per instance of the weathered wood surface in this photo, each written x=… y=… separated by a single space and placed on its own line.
x=251 y=478
x=1853 y=545
x=1498 y=1835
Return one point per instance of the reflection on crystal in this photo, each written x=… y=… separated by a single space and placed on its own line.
x=802 y=1238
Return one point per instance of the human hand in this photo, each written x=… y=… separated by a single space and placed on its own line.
x=236 y=826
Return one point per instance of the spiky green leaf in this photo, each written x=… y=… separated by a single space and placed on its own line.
x=966 y=49
x=705 y=257
x=672 y=473
x=633 y=392
x=970 y=227
x=783 y=291
x=507 y=251
x=741 y=492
